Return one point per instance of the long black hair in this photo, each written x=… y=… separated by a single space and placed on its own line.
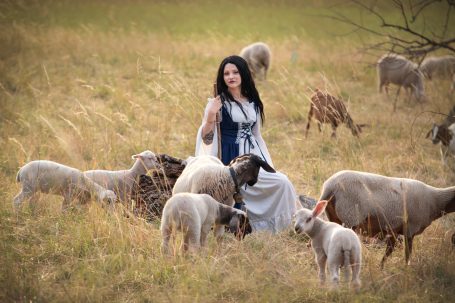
x=248 y=88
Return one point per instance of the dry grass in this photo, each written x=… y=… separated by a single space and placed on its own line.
x=91 y=94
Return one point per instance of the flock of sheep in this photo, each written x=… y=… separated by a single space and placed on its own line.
x=203 y=196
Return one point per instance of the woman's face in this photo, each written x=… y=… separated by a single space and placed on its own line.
x=232 y=76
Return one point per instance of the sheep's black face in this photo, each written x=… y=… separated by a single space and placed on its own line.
x=247 y=166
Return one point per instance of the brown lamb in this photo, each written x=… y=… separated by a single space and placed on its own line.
x=327 y=109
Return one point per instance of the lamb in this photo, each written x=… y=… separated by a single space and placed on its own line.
x=122 y=181
x=207 y=174
x=385 y=206
x=332 y=243
x=328 y=109
x=396 y=69
x=195 y=215
x=439 y=66
x=258 y=57
x=52 y=177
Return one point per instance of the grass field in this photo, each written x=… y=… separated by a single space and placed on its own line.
x=89 y=83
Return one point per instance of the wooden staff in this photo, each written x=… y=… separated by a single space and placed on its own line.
x=217 y=122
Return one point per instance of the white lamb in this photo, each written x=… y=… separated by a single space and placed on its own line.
x=195 y=215
x=396 y=69
x=258 y=57
x=122 y=181
x=332 y=244
x=385 y=206
x=51 y=177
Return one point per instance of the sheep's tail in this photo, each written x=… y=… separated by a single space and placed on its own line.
x=347 y=263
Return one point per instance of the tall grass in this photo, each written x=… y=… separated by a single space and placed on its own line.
x=90 y=83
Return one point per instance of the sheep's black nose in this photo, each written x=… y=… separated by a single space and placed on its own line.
x=297 y=229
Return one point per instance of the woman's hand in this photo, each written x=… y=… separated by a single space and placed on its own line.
x=214 y=105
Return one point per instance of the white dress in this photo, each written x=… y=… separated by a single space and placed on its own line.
x=271 y=202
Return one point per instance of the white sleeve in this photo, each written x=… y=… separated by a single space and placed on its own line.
x=260 y=141
x=202 y=148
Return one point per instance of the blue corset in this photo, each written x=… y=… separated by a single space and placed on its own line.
x=231 y=133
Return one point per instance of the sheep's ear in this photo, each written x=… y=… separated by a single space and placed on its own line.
x=319 y=208
x=266 y=166
x=234 y=224
x=136 y=156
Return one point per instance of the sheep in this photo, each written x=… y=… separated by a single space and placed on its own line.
x=385 y=206
x=328 y=109
x=396 y=69
x=207 y=174
x=195 y=215
x=446 y=135
x=439 y=66
x=52 y=177
x=258 y=57
x=122 y=181
x=332 y=243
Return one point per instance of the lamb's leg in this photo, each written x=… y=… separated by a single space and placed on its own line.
x=390 y=242
x=334 y=268
x=20 y=197
x=219 y=232
x=166 y=233
x=192 y=239
x=310 y=115
x=408 y=248
x=204 y=233
x=321 y=259
x=355 y=266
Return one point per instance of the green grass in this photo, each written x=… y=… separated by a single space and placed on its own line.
x=89 y=83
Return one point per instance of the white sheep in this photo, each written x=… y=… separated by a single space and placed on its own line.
x=332 y=244
x=258 y=57
x=396 y=69
x=51 y=177
x=385 y=206
x=208 y=175
x=122 y=181
x=195 y=215
x=439 y=66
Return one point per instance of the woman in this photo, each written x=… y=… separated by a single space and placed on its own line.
x=271 y=201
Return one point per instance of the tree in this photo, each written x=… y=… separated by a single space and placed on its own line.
x=415 y=34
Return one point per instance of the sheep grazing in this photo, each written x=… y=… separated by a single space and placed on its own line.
x=122 y=181
x=443 y=67
x=258 y=57
x=396 y=69
x=327 y=109
x=195 y=215
x=51 y=177
x=385 y=206
x=332 y=244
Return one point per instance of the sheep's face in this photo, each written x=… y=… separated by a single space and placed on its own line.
x=304 y=218
x=239 y=224
x=434 y=134
x=148 y=159
x=108 y=196
x=304 y=221
x=247 y=166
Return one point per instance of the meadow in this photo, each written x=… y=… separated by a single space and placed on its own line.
x=90 y=83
